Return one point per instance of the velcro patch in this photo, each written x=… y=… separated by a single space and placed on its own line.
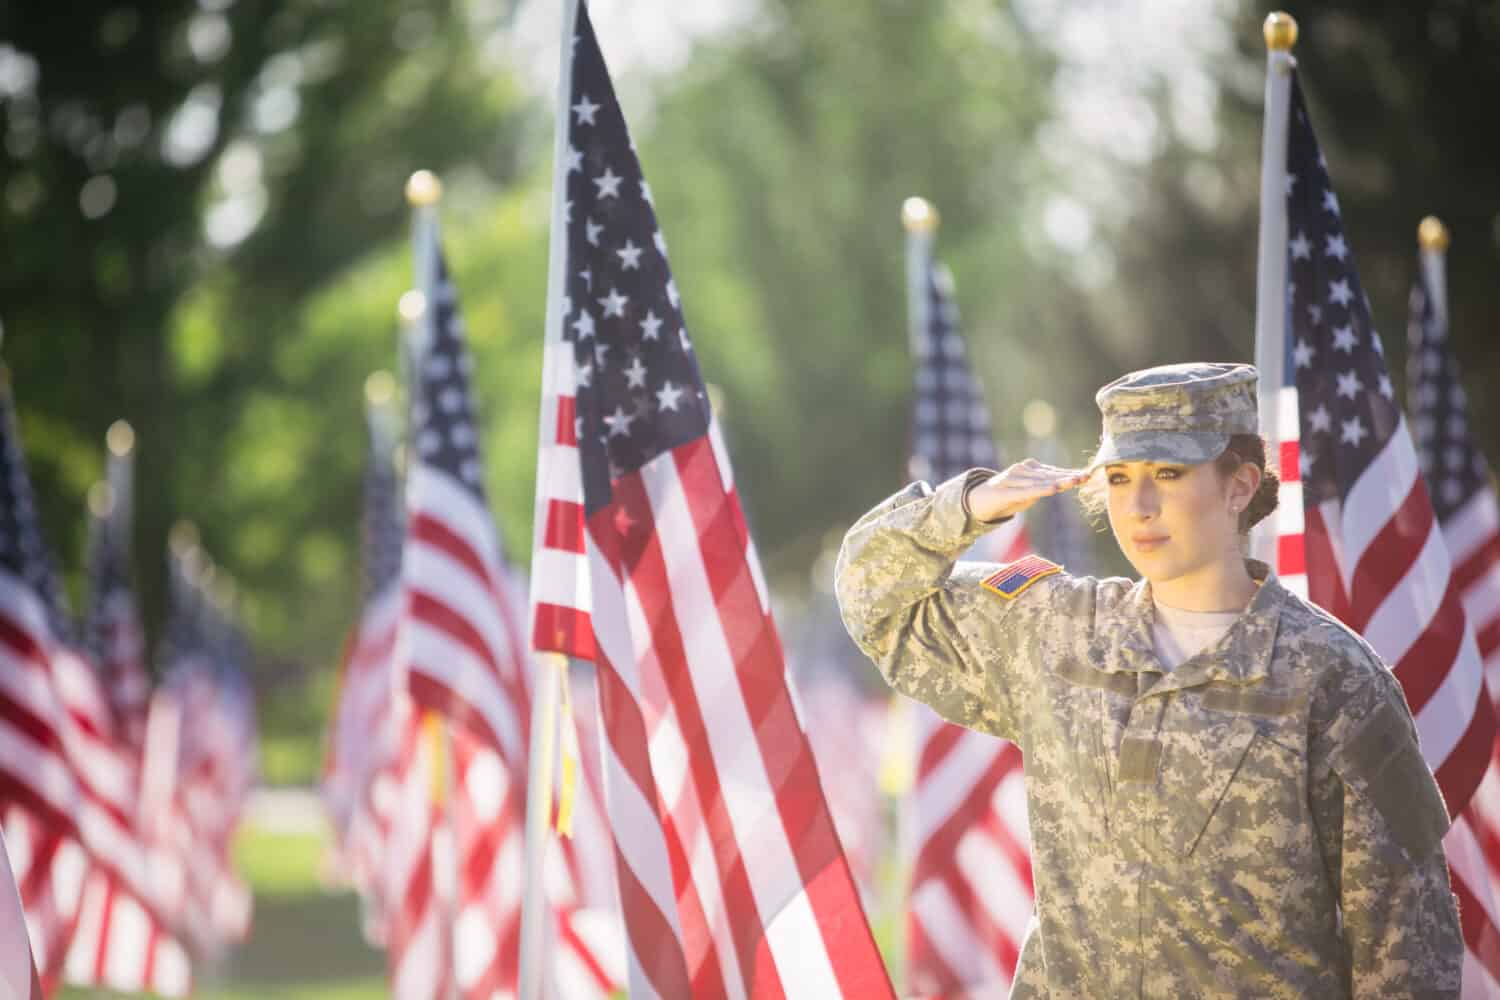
x=1011 y=580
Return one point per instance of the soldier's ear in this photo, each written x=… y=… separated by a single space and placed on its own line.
x=1243 y=486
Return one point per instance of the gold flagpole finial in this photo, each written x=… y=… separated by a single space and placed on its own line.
x=411 y=306
x=101 y=500
x=1432 y=234
x=120 y=438
x=183 y=538
x=423 y=188
x=1280 y=30
x=380 y=388
x=918 y=215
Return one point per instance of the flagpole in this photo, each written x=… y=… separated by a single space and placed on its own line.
x=551 y=667
x=1432 y=237
x=1280 y=31
x=920 y=221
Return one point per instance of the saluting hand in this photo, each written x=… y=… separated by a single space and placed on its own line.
x=1020 y=486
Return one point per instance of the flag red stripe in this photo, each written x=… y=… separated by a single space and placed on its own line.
x=585 y=955
x=562 y=629
x=1325 y=585
x=1480 y=935
x=564 y=529
x=1462 y=770
x=935 y=749
x=1438 y=644
x=1290 y=468
x=996 y=941
x=1291 y=555
x=1488 y=638
x=651 y=936
x=567 y=426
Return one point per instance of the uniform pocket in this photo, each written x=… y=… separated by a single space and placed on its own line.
x=1197 y=770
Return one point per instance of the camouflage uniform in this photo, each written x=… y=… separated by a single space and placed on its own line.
x=1258 y=822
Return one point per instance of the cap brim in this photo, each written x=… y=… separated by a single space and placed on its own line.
x=1175 y=447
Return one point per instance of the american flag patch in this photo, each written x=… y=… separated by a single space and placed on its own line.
x=1011 y=579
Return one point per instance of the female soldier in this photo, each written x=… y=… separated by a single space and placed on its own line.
x=1225 y=790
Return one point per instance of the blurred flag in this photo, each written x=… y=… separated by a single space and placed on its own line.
x=112 y=628
x=458 y=647
x=964 y=817
x=418 y=864
x=731 y=877
x=17 y=970
x=360 y=723
x=1356 y=527
x=1463 y=499
x=950 y=425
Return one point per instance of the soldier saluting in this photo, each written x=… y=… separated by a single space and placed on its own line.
x=1225 y=789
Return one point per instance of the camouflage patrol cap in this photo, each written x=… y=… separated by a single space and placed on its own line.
x=1176 y=413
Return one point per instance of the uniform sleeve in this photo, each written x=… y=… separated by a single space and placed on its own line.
x=902 y=601
x=1381 y=821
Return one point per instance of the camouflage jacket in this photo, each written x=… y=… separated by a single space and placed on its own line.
x=1258 y=822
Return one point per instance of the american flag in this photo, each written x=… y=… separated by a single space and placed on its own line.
x=965 y=816
x=732 y=880
x=34 y=769
x=87 y=824
x=1368 y=545
x=458 y=642
x=112 y=628
x=17 y=970
x=1463 y=498
x=362 y=704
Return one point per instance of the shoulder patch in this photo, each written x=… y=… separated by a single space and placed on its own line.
x=1010 y=580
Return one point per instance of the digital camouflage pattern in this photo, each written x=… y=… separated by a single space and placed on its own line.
x=1176 y=413
x=1194 y=833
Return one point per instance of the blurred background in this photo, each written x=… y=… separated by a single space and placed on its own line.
x=202 y=230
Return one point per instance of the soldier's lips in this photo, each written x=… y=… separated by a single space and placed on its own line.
x=1149 y=543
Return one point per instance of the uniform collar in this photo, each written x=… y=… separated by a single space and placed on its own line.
x=1123 y=642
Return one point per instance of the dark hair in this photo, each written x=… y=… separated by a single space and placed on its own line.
x=1242 y=448
x=1251 y=448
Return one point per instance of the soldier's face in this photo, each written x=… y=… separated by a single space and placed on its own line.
x=1170 y=520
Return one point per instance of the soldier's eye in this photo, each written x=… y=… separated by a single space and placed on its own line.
x=1116 y=478
x=1168 y=473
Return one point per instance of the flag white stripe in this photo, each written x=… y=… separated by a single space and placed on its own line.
x=1005 y=897
x=638 y=833
x=1290 y=517
x=455 y=666
x=1406 y=610
x=451 y=583
x=947 y=785
x=1466 y=858
x=771 y=867
x=433 y=493
x=1473 y=524
x=951 y=935
x=562 y=578
x=1482 y=598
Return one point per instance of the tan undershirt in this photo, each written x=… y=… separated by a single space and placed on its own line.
x=1180 y=635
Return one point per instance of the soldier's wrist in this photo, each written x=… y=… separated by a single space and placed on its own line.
x=975 y=479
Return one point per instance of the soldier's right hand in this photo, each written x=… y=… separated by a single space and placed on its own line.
x=1020 y=486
